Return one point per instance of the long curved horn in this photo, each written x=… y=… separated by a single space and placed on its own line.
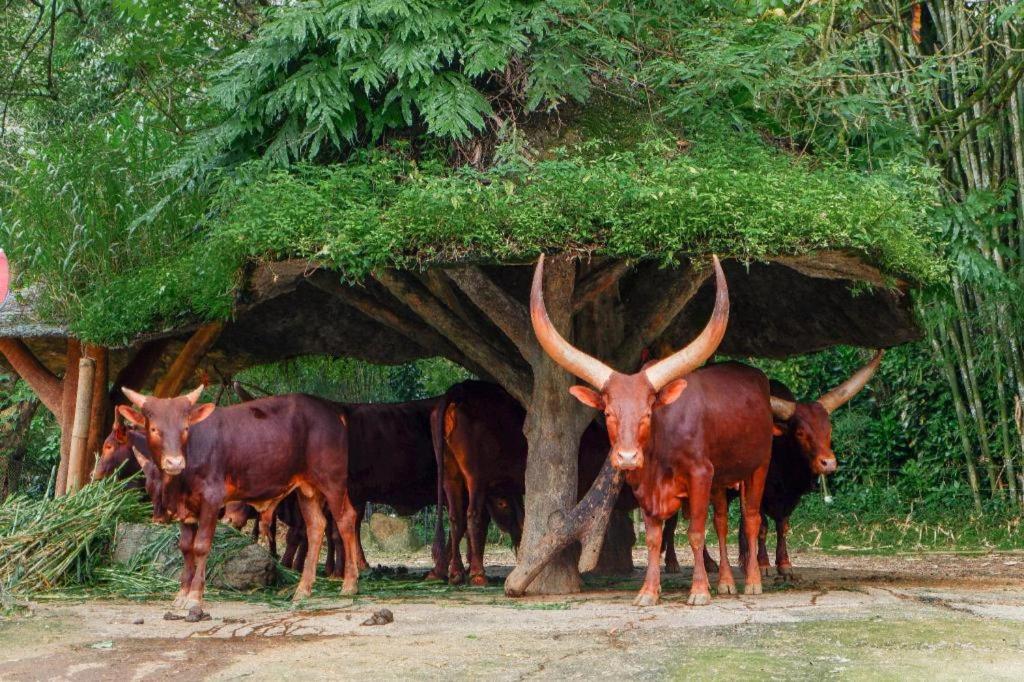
x=572 y=359
x=137 y=399
x=701 y=348
x=783 y=409
x=841 y=394
x=194 y=396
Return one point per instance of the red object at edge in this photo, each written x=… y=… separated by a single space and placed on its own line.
x=5 y=277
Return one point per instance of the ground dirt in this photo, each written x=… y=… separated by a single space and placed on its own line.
x=934 y=616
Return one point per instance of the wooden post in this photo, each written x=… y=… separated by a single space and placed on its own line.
x=101 y=416
x=80 y=427
x=69 y=386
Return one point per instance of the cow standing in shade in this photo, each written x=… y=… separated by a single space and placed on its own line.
x=674 y=437
x=257 y=452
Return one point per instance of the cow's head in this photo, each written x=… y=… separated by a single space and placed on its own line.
x=810 y=424
x=628 y=400
x=114 y=452
x=154 y=485
x=166 y=423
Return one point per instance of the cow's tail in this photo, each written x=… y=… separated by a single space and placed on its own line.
x=437 y=436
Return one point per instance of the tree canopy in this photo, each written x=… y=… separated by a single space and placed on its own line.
x=378 y=134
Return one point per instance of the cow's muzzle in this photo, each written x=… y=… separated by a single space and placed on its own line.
x=172 y=466
x=627 y=460
x=825 y=465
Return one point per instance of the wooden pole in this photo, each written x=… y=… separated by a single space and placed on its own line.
x=101 y=416
x=80 y=428
x=69 y=386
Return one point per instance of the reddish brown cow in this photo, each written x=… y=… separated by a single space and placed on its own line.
x=800 y=454
x=480 y=452
x=256 y=452
x=673 y=442
x=391 y=461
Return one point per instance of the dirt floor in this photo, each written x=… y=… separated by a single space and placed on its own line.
x=934 y=616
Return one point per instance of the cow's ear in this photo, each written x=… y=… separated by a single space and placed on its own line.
x=588 y=396
x=671 y=392
x=120 y=432
x=131 y=415
x=200 y=412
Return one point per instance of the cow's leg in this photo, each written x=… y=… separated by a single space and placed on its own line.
x=361 y=557
x=668 y=544
x=699 y=494
x=782 y=562
x=751 y=493
x=726 y=583
x=313 y=514
x=273 y=537
x=457 y=521
x=201 y=547
x=345 y=516
x=188 y=571
x=650 y=591
x=476 y=521
x=292 y=543
x=762 y=546
x=331 y=567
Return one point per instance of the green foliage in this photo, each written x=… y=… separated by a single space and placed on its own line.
x=731 y=195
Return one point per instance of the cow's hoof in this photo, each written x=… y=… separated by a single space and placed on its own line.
x=787 y=572
x=646 y=599
x=763 y=570
x=434 y=575
x=196 y=614
x=478 y=580
x=301 y=593
x=456 y=578
x=726 y=588
x=350 y=587
x=752 y=588
x=699 y=599
x=179 y=602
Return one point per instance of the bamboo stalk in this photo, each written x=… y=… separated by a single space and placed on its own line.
x=80 y=428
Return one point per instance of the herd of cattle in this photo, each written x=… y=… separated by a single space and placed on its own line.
x=685 y=436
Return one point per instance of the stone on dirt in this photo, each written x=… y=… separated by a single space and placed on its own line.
x=394 y=533
x=251 y=567
x=380 y=617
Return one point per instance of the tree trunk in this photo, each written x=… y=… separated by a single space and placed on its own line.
x=616 y=556
x=554 y=423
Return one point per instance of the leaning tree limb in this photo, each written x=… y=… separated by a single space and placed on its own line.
x=42 y=381
x=184 y=366
x=585 y=523
x=69 y=389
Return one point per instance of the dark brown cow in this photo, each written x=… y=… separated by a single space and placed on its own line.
x=800 y=454
x=480 y=452
x=256 y=452
x=672 y=442
x=391 y=461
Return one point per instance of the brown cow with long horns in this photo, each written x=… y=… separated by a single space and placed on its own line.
x=256 y=452
x=678 y=437
x=800 y=454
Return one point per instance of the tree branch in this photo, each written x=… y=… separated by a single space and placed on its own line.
x=597 y=281
x=475 y=347
x=181 y=370
x=658 y=299
x=414 y=330
x=42 y=381
x=508 y=314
